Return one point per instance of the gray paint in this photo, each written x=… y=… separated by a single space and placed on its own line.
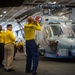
x=71 y=15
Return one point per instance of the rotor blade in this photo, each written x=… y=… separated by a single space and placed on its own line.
x=21 y=28
x=31 y=13
x=23 y=14
x=27 y=13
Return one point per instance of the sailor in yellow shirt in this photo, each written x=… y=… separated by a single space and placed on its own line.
x=2 y=39
x=9 y=48
x=31 y=50
x=21 y=43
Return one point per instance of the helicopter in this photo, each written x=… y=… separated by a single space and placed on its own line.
x=56 y=39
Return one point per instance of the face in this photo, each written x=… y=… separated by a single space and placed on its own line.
x=10 y=28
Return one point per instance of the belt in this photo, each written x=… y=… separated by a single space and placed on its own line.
x=9 y=43
x=30 y=40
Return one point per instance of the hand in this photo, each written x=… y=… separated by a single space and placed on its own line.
x=35 y=22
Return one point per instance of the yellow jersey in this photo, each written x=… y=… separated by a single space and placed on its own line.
x=9 y=37
x=21 y=43
x=2 y=37
x=29 y=30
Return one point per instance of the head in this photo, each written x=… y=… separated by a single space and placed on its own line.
x=0 y=27
x=30 y=19
x=9 y=27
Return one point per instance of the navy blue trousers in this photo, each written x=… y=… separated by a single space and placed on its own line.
x=32 y=57
x=1 y=53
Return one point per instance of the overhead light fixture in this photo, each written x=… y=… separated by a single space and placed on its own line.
x=1 y=15
x=5 y=12
x=60 y=13
x=54 y=2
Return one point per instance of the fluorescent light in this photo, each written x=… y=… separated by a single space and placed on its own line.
x=4 y=12
x=54 y=2
x=60 y=13
x=1 y=15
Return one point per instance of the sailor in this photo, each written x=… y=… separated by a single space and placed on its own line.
x=31 y=50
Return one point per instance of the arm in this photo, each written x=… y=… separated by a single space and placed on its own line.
x=37 y=26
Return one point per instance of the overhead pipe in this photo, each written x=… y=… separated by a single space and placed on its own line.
x=21 y=27
x=70 y=5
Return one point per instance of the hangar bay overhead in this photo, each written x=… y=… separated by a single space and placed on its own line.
x=8 y=14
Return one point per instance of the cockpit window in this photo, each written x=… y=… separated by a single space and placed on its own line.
x=73 y=27
x=56 y=30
